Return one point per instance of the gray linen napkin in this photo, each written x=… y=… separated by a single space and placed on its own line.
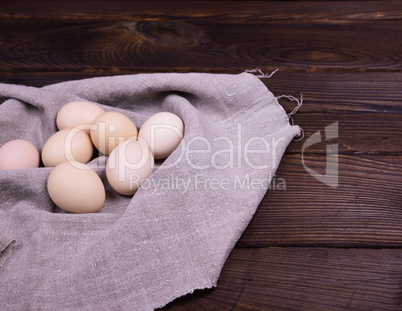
x=174 y=235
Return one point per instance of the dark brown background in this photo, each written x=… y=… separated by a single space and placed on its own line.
x=309 y=247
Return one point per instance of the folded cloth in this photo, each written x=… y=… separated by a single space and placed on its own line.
x=174 y=235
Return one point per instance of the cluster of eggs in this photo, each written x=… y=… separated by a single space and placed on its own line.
x=72 y=185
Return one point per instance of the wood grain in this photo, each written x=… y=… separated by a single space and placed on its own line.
x=365 y=210
x=43 y=42
x=235 y=11
x=356 y=132
x=303 y=279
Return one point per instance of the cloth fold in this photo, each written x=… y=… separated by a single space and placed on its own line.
x=6 y=244
x=175 y=234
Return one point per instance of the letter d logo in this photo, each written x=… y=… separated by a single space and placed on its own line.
x=330 y=177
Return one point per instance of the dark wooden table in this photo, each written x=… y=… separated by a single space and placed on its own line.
x=309 y=246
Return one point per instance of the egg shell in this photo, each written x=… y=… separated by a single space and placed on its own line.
x=110 y=129
x=67 y=145
x=162 y=132
x=77 y=113
x=75 y=187
x=129 y=164
x=18 y=154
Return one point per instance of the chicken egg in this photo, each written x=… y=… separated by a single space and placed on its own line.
x=78 y=113
x=129 y=164
x=67 y=145
x=18 y=154
x=75 y=187
x=110 y=129
x=162 y=132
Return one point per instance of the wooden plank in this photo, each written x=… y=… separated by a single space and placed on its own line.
x=339 y=91
x=79 y=45
x=358 y=132
x=303 y=279
x=236 y=11
x=365 y=210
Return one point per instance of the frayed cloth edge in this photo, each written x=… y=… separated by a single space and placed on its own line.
x=295 y=109
x=260 y=74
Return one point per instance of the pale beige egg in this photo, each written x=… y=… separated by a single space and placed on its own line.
x=67 y=145
x=78 y=113
x=75 y=187
x=110 y=129
x=129 y=164
x=18 y=154
x=162 y=132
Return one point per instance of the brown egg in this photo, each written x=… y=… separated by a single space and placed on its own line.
x=129 y=164
x=76 y=188
x=77 y=113
x=110 y=129
x=18 y=154
x=67 y=145
x=162 y=132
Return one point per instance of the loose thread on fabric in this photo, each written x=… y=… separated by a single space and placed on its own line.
x=292 y=98
x=295 y=109
x=301 y=134
x=259 y=74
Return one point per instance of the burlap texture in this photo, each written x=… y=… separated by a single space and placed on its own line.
x=174 y=235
